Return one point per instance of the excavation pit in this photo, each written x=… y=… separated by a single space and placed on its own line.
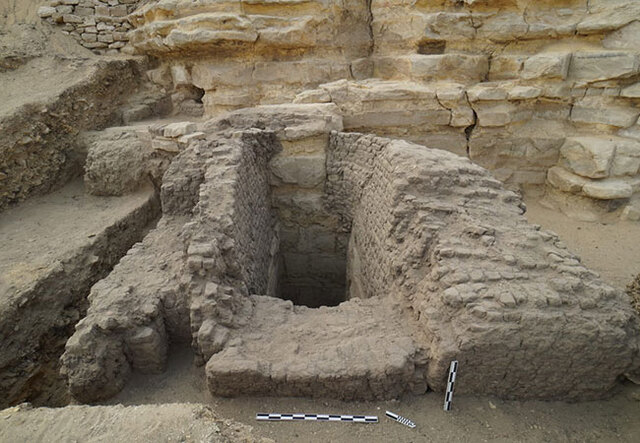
x=412 y=257
x=313 y=269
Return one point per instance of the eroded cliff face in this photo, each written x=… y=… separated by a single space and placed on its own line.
x=244 y=53
x=542 y=93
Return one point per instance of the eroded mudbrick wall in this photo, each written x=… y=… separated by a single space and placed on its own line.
x=40 y=149
x=440 y=265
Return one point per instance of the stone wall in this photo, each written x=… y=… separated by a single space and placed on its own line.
x=99 y=25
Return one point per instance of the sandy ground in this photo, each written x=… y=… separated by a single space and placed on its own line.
x=35 y=234
x=472 y=418
x=173 y=422
x=19 y=11
x=612 y=250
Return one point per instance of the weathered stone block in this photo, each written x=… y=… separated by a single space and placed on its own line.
x=178 y=129
x=609 y=189
x=605 y=112
x=631 y=212
x=46 y=11
x=627 y=158
x=460 y=67
x=213 y=75
x=500 y=113
x=594 y=66
x=565 y=181
x=632 y=91
x=102 y=10
x=504 y=67
x=627 y=37
x=305 y=171
x=70 y=18
x=501 y=27
x=449 y=26
x=546 y=66
x=180 y=76
x=118 y=11
x=84 y=12
x=88 y=37
x=106 y=38
x=486 y=92
x=523 y=92
x=588 y=156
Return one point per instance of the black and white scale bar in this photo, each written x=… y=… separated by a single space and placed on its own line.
x=453 y=370
x=318 y=417
x=400 y=419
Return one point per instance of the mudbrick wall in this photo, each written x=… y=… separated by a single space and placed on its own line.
x=443 y=266
x=359 y=190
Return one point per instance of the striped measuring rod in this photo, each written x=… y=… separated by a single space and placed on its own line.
x=453 y=370
x=317 y=417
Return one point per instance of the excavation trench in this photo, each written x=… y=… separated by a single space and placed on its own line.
x=56 y=247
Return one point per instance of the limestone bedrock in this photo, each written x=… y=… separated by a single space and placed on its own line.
x=505 y=83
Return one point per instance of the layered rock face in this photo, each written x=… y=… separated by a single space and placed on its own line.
x=530 y=77
x=242 y=53
x=435 y=259
x=505 y=82
x=510 y=83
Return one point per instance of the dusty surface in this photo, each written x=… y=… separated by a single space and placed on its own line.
x=427 y=235
x=41 y=114
x=479 y=418
x=609 y=249
x=18 y=11
x=176 y=422
x=36 y=234
x=478 y=282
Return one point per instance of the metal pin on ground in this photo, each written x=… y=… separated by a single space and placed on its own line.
x=400 y=419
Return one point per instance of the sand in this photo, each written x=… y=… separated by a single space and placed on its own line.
x=609 y=249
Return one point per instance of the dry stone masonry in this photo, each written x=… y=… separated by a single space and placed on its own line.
x=99 y=25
